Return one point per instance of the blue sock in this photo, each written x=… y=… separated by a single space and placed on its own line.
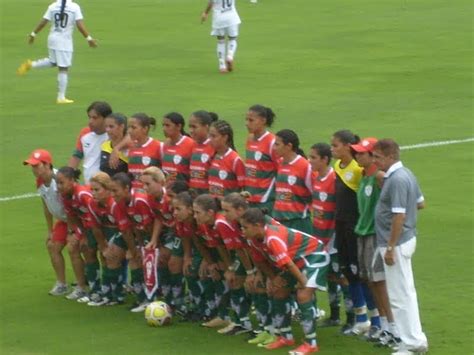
x=371 y=307
x=357 y=295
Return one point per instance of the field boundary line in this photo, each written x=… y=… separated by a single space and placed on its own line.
x=405 y=147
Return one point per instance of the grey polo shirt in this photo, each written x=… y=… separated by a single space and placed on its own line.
x=400 y=194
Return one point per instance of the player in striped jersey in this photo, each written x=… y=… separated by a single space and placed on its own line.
x=260 y=160
x=227 y=171
x=113 y=233
x=303 y=262
x=348 y=176
x=202 y=153
x=177 y=149
x=145 y=151
x=293 y=183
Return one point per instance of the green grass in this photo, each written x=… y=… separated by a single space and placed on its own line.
x=400 y=68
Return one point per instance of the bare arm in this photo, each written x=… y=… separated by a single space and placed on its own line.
x=205 y=14
x=395 y=233
x=82 y=28
x=245 y=258
x=49 y=219
x=38 y=28
x=297 y=274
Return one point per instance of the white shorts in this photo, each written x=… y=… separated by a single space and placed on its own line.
x=62 y=59
x=231 y=31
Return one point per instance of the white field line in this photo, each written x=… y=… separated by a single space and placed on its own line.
x=405 y=147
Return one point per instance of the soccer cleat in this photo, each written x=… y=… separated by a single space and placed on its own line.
x=87 y=298
x=347 y=328
x=373 y=334
x=330 y=322
x=280 y=342
x=229 y=64
x=261 y=338
x=269 y=340
x=227 y=328
x=64 y=101
x=304 y=349
x=140 y=307
x=216 y=322
x=223 y=70
x=24 y=67
x=76 y=294
x=100 y=302
x=59 y=289
x=360 y=328
x=238 y=329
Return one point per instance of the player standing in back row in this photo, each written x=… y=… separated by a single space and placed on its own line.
x=63 y=14
x=225 y=22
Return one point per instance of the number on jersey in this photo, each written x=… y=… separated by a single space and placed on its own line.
x=62 y=22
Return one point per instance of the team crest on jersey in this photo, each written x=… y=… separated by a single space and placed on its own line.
x=258 y=155
x=368 y=190
x=111 y=219
x=291 y=179
x=204 y=158
x=349 y=175
x=177 y=159
x=137 y=218
x=323 y=196
x=222 y=174
x=146 y=160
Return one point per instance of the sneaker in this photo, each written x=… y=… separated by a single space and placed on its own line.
x=64 y=101
x=216 y=322
x=269 y=340
x=227 y=328
x=24 y=67
x=59 y=289
x=360 y=328
x=373 y=334
x=87 y=298
x=280 y=342
x=329 y=322
x=229 y=64
x=304 y=349
x=140 y=307
x=115 y=302
x=387 y=339
x=238 y=329
x=76 y=294
x=223 y=70
x=261 y=338
x=101 y=302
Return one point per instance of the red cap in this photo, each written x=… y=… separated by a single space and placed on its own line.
x=365 y=145
x=39 y=156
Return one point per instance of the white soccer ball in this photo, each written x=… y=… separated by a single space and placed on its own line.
x=157 y=314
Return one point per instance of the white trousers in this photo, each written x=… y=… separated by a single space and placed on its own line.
x=402 y=295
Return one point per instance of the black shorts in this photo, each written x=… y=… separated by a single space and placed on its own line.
x=346 y=244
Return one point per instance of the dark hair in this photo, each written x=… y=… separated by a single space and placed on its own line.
x=177 y=119
x=61 y=11
x=144 y=120
x=237 y=199
x=346 y=136
x=124 y=179
x=205 y=118
x=323 y=150
x=185 y=198
x=120 y=119
x=70 y=173
x=101 y=107
x=224 y=128
x=179 y=186
x=290 y=137
x=208 y=202
x=254 y=216
x=388 y=147
x=264 y=112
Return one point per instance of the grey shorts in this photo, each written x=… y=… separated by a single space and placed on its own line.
x=370 y=262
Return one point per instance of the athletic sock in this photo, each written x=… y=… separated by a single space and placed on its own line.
x=282 y=317
x=231 y=48
x=372 y=310
x=116 y=281
x=222 y=298
x=62 y=84
x=177 y=287
x=241 y=306
x=209 y=299
x=195 y=293
x=384 y=323
x=164 y=280
x=262 y=310
x=308 y=322
x=360 y=308
x=93 y=277
x=136 y=276
x=42 y=63
x=107 y=276
x=221 y=53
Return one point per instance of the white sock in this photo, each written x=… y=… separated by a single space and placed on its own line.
x=221 y=53
x=393 y=329
x=42 y=63
x=231 y=48
x=384 y=323
x=62 y=85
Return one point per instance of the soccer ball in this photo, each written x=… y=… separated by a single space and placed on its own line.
x=158 y=313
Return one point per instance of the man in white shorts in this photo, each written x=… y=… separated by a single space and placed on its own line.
x=63 y=15
x=225 y=23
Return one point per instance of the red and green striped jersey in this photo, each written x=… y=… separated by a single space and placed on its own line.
x=140 y=158
x=226 y=174
x=185 y=229
x=139 y=210
x=257 y=248
x=293 y=190
x=260 y=168
x=162 y=208
x=229 y=232
x=200 y=162
x=210 y=235
x=77 y=204
x=324 y=205
x=176 y=159
x=111 y=214
x=284 y=245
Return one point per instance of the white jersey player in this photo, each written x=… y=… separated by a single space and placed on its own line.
x=64 y=15
x=225 y=23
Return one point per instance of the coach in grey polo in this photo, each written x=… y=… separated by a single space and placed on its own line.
x=395 y=226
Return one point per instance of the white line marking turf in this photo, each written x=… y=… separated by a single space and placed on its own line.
x=405 y=147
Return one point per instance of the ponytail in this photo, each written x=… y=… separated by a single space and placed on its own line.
x=264 y=112
x=63 y=7
x=290 y=137
x=70 y=173
x=224 y=128
x=177 y=119
x=208 y=202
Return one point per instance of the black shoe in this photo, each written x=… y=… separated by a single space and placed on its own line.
x=238 y=329
x=329 y=322
x=346 y=328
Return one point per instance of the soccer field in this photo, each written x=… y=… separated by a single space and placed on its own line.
x=392 y=68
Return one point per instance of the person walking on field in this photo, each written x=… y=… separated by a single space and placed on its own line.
x=395 y=226
x=63 y=14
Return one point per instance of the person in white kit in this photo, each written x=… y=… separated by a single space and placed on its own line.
x=63 y=15
x=89 y=142
x=225 y=23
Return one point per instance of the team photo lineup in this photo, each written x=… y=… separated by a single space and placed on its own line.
x=165 y=218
